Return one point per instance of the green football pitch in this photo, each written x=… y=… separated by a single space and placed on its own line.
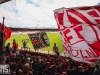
x=53 y=37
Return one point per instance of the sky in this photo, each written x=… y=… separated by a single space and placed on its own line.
x=36 y=13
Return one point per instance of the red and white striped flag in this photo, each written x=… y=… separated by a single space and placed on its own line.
x=80 y=31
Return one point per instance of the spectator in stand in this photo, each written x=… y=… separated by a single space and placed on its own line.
x=58 y=70
x=74 y=70
x=8 y=48
x=55 y=49
x=15 y=45
x=40 y=71
x=91 y=69
x=13 y=68
x=80 y=71
x=25 y=41
x=25 y=70
x=97 y=70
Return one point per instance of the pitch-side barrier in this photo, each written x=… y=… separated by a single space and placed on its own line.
x=47 y=52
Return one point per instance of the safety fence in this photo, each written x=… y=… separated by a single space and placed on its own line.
x=43 y=52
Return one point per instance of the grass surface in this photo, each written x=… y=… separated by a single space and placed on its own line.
x=53 y=37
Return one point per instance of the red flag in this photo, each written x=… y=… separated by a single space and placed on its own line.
x=80 y=31
x=7 y=32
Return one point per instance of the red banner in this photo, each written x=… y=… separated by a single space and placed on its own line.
x=80 y=31
x=7 y=31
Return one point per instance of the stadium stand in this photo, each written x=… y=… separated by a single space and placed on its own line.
x=35 y=63
x=26 y=62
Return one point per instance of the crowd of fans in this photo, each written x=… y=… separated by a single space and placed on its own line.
x=33 y=63
x=41 y=64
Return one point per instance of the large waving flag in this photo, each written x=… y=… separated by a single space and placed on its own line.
x=80 y=31
x=39 y=40
x=6 y=30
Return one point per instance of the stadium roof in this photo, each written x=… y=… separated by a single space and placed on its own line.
x=3 y=1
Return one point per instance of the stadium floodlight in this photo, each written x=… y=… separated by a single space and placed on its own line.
x=3 y=1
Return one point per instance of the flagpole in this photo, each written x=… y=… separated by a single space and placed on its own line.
x=2 y=35
x=2 y=41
